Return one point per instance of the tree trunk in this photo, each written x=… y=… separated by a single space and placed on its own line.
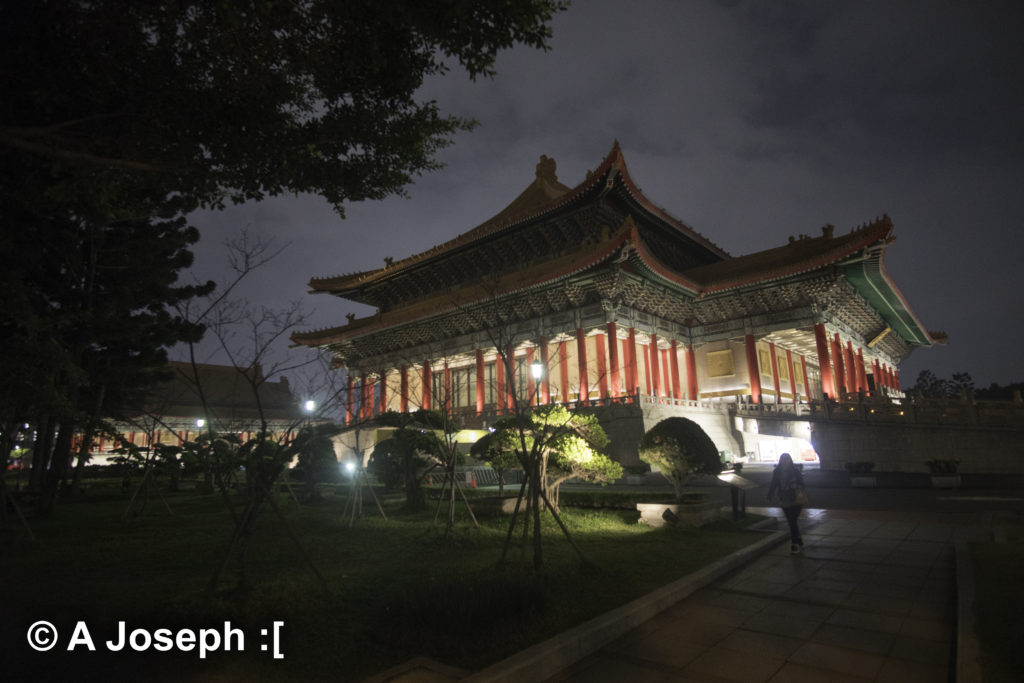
x=41 y=453
x=58 y=468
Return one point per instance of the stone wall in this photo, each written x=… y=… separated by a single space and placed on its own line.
x=905 y=448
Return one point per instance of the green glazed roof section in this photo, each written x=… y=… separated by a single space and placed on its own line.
x=871 y=280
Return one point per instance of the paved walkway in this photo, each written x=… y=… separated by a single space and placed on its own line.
x=872 y=598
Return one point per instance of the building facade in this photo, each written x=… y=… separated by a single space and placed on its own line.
x=616 y=301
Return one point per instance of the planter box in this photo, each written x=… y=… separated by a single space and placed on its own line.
x=672 y=514
x=863 y=480
x=945 y=481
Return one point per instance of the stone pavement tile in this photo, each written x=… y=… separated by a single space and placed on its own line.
x=933 y=532
x=601 y=669
x=887 y=590
x=755 y=644
x=729 y=665
x=798 y=610
x=792 y=672
x=708 y=614
x=762 y=588
x=666 y=649
x=905 y=575
x=867 y=621
x=875 y=642
x=839 y=659
x=793 y=572
x=782 y=625
x=940 y=630
x=820 y=541
x=896 y=607
x=972 y=533
x=682 y=631
x=822 y=596
x=846 y=571
x=891 y=530
x=922 y=650
x=934 y=609
x=741 y=601
x=900 y=671
x=818 y=583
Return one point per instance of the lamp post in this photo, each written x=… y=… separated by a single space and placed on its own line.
x=537 y=369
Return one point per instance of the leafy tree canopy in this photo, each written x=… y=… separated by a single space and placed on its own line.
x=680 y=449
x=930 y=385
x=194 y=102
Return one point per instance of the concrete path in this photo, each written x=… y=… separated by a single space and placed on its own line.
x=872 y=598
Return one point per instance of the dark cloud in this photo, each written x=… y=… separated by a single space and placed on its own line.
x=750 y=121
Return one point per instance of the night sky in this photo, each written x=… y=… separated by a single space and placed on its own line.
x=750 y=122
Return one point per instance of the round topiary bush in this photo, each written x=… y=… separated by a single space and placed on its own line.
x=680 y=449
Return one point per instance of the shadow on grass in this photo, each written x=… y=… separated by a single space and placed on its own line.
x=398 y=589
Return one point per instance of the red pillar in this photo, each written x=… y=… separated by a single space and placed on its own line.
x=428 y=385
x=807 y=386
x=531 y=384
x=655 y=381
x=510 y=380
x=752 y=368
x=666 y=381
x=447 y=389
x=645 y=348
x=673 y=358
x=632 y=373
x=545 y=382
x=851 y=367
x=775 y=373
x=876 y=375
x=383 y=392
x=563 y=366
x=862 y=375
x=479 y=382
x=403 y=380
x=613 y=360
x=691 y=375
x=370 y=405
x=837 y=358
x=602 y=366
x=581 y=366
x=792 y=376
x=828 y=388
x=896 y=379
x=349 y=413
x=499 y=391
x=364 y=401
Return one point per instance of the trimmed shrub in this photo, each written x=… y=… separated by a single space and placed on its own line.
x=680 y=449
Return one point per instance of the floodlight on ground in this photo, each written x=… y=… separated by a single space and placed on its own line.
x=350 y=467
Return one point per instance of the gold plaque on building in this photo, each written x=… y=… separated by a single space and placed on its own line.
x=720 y=364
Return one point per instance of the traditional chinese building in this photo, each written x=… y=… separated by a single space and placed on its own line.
x=218 y=397
x=619 y=302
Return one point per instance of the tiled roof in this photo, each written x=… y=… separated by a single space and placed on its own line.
x=544 y=195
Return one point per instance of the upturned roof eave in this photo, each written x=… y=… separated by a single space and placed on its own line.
x=348 y=285
x=513 y=283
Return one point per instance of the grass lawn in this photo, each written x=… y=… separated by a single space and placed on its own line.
x=998 y=606
x=397 y=588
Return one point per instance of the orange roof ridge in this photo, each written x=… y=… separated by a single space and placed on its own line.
x=811 y=253
x=544 y=194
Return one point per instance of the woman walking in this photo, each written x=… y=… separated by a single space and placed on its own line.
x=788 y=482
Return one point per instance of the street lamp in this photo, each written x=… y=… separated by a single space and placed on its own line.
x=537 y=369
x=310 y=406
x=200 y=422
